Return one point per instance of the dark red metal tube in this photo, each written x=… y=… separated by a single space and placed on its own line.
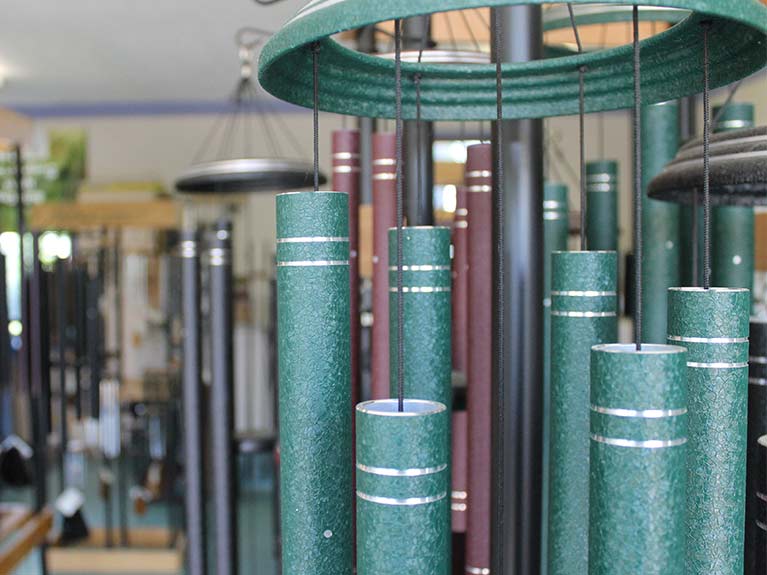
x=384 y=217
x=479 y=183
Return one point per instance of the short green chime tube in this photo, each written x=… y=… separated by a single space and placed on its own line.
x=426 y=286
x=713 y=325
x=583 y=304
x=732 y=227
x=555 y=230
x=602 y=202
x=314 y=383
x=638 y=459
x=660 y=220
x=403 y=484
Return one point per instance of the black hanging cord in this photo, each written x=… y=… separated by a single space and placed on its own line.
x=637 y=184
x=706 y=161
x=400 y=210
x=730 y=96
x=316 y=112
x=581 y=130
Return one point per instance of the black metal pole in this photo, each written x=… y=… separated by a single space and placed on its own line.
x=80 y=323
x=61 y=309
x=418 y=136
x=194 y=459
x=518 y=425
x=93 y=339
x=45 y=350
x=222 y=413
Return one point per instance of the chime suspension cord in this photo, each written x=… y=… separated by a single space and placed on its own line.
x=637 y=184
x=400 y=210
x=316 y=112
x=706 y=162
x=581 y=129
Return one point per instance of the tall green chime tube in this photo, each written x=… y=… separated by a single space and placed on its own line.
x=660 y=220
x=555 y=229
x=638 y=459
x=732 y=227
x=583 y=314
x=426 y=280
x=713 y=325
x=757 y=426
x=760 y=552
x=602 y=201
x=403 y=483
x=314 y=383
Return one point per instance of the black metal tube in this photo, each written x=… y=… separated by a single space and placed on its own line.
x=80 y=323
x=61 y=317
x=419 y=164
x=222 y=414
x=93 y=341
x=518 y=425
x=45 y=350
x=194 y=494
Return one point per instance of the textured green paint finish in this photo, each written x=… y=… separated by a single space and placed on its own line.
x=427 y=280
x=717 y=377
x=660 y=220
x=732 y=227
x=403 y=484
x=555 y=230
x=578 y=281
x=361 y=84
x=602 y=211
x=314 y=383
x=637 y=501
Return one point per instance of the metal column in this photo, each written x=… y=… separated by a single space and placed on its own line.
x=517 y=421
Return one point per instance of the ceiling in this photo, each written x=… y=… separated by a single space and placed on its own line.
x=82 y=53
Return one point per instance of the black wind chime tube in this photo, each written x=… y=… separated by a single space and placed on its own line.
x=760 y=539
x=194 y=457
x=518 y=362
x=61 y=321
x=222 y=407
x=757 y=427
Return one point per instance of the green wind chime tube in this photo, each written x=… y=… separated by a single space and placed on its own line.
x=602 y=200
x=638 y=459
x=660 y=220
x=713 y=325
x=403 y=485
x=732 y=227
x=426 y=281
x=583 y=303
x=555 y=230
x=314 y=383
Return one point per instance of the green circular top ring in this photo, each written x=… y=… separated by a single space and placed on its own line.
x=363 y=85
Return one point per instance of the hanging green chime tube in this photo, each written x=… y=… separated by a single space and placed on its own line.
x=638 y=459
x=403 y=484
x=314 y=383
x=583 y=303
x=660 y=220
x=732 y=227
x=602 y=202
x=426 y=281
x=555 y=229
x=757 y=426
x=713 y=325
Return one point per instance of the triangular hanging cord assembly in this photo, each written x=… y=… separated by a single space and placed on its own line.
x=316 y=112
x=400 y=210
x=581 y=130
x=706 y=162
x=637 y=183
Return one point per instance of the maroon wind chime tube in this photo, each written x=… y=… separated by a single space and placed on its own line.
x=346 y=178
x=384 y=217
x=479 y=182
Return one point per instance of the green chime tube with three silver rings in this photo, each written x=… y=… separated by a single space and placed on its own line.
x=660 y=220
x=403 y=484
x=732 y=227
x=602 y=201
x=314 y=383
x=583 y=303
x=713 y=325
x=638 y=459
x=555 y=230
x=426 y=281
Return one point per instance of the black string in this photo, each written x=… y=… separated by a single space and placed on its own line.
x=637 y=184
x=706 y=162
x=581 y=130
x=316 y=112
x=723 y=107
x=400 y=202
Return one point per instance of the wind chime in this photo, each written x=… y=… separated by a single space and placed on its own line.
x=627 y=432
